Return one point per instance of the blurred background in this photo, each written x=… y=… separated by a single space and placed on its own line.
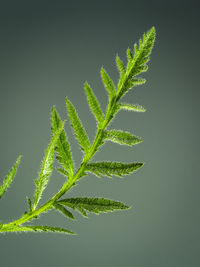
x=47 y=50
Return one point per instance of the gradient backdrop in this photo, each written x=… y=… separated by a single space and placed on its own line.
x=47 y=50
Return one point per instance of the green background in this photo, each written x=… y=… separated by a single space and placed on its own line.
x=47 y=50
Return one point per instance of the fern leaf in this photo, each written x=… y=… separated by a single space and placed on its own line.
x=142 y=54
x=62 y=147
x=79 y=131
x=46 y=167
x=122 y=138
x=94 y=205
x=108 y=83
x=130 y=107
x=129 y=58
x=137 y=64
x=37 y=228
x=94 y=104
x=122 y=71
x=120 y=65
x=113 y=168
x=9 y=178
x=64 y=211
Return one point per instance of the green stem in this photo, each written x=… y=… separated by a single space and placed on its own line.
x=48 y=205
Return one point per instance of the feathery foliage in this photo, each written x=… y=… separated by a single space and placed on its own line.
x=46 y=168
x=122 y=138
x=62 y=148
x=113 y=168
x=9 y=178
x=37 y=228
x=94 y=104
x=94 y=205
x=63 y=210
x=128 y=78
x=108 y=83
x=79 y=131
x=130 y=107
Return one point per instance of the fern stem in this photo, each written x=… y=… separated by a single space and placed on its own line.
x=66 y=187
x=135 y=66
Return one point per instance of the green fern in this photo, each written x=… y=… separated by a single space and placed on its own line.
x=128 y=78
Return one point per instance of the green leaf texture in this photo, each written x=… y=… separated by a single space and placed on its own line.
x=108 y=83
x=9 y=178
x=113 y=168
x=94 y=205
x=46 y=168
x=130 y=107
x=63 y=210
x=62 y=147
x=94 y=104
x=79 y=131
x=137 y=63
x=122 y=138
x=37 y=228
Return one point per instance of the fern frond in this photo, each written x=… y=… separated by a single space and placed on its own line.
x=62 y=147
x=46 y=167
x=122 y=138
x=79 y=131
x=37 y=228
x=137 y=64
x=9 y=178
x=94 y=205
x=63 y=210
x=113 y=168
x=108 y=83
x=94 y=104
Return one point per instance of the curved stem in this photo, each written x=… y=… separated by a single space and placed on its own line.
x=66 y=186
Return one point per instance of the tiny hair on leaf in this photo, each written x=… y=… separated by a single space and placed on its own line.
x=60 y=148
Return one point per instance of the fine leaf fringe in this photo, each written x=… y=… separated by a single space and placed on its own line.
x=46 y=168
x=9 y=178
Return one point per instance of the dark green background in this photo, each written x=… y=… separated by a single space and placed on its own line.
x=47 y=50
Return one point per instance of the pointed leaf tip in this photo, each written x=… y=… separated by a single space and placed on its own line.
x=77 y=126
x=108 y=83
x=9 y=178
x=93 y=103
x=62 y=148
